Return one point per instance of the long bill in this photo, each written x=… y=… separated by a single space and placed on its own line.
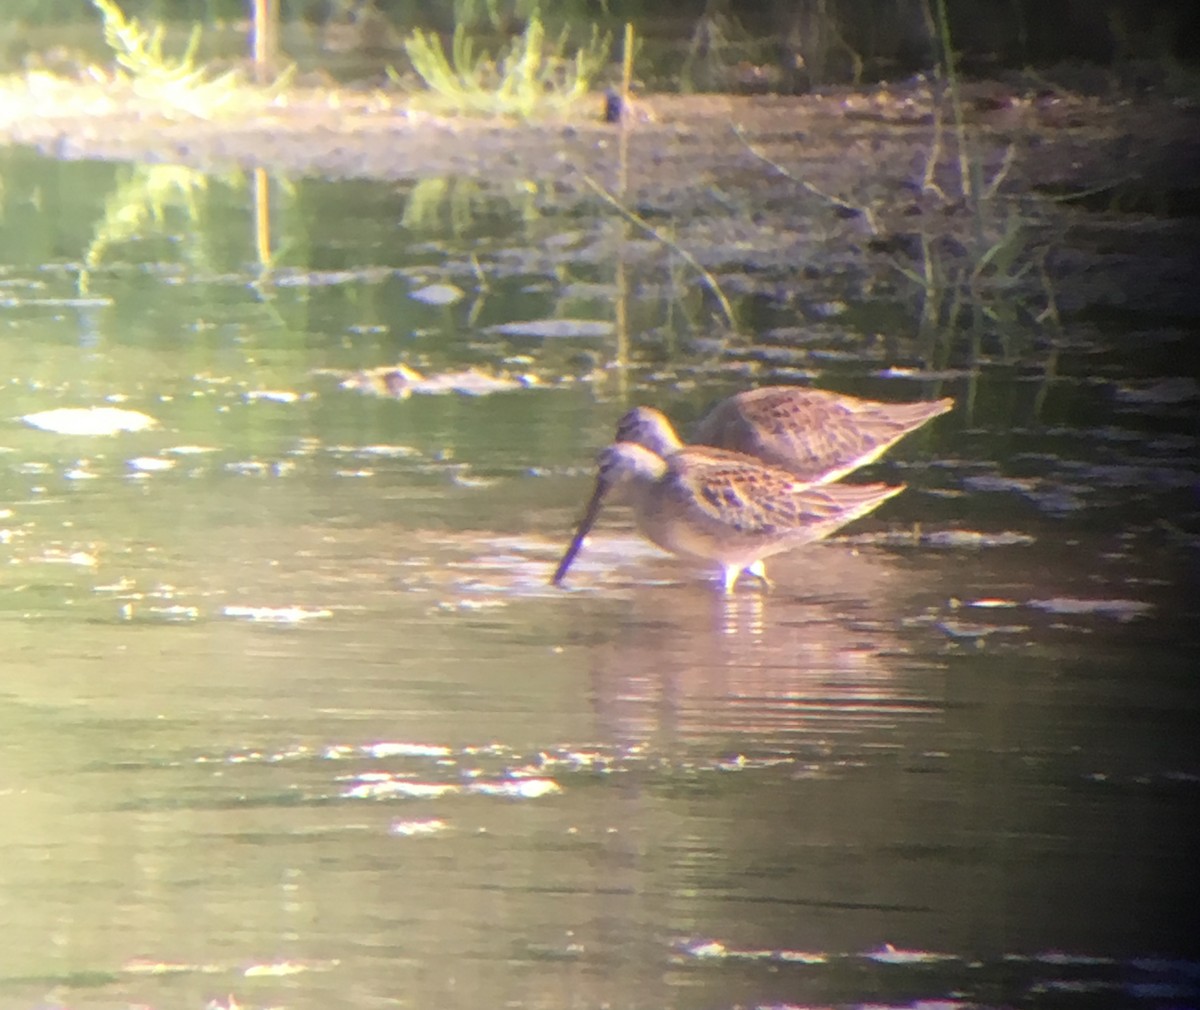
x=585 y=526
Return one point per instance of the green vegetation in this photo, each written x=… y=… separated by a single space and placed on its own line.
x=175 y=82
x=140 y=206
x=140 y=51
x=976 y=277
x=534 y=77
x=495 y=14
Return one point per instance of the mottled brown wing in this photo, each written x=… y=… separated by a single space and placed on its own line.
x=900 y=416
x=838 y=504
x=805 y=430
x=811 y=432
x=745 y=495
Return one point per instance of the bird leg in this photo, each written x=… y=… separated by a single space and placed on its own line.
x=758 y=569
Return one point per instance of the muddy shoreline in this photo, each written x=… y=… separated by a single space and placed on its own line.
x=849 y=186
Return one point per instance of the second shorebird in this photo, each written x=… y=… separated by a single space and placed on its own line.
x=816 y=435
x=716 y=506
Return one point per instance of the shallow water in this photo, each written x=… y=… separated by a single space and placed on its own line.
x=291 y=717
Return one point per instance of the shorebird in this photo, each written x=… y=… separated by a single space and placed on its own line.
x=816 y=435
x=712 y=505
